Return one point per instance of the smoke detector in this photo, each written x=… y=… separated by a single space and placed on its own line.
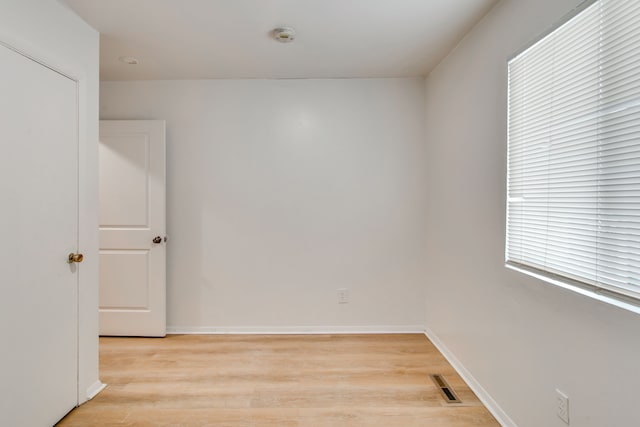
x=284 y=34
x=129 y=60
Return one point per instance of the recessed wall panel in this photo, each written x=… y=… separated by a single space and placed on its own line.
x=124 y=187
x=124 y=279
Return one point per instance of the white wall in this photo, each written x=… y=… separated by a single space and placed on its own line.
x=519 y=337
x=49 y=32
x=281 y=192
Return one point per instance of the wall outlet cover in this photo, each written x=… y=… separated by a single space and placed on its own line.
x=343 y=296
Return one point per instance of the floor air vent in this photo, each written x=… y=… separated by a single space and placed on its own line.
x=446 y=390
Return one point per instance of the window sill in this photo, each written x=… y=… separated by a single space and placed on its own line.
x=593 y=294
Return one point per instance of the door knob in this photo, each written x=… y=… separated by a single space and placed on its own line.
x=157 y=239
x=75 y=258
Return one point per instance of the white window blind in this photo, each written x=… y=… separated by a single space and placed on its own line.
x=573 y=202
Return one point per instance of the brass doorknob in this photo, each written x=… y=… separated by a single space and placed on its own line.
x=75 y=258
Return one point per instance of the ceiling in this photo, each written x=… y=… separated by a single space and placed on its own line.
x=202 y=39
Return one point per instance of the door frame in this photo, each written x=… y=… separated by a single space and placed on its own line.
x=87 y=196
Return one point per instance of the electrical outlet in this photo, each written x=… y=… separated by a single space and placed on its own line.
x=343 y=296
x=562 y=406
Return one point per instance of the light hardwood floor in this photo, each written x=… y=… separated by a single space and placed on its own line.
x=287 y=380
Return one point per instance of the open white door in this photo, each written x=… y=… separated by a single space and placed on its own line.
x=132 y=228
x=38 y=230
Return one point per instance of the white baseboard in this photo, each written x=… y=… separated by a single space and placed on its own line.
x=292 y=330
x=94 y=389
x=493 y=407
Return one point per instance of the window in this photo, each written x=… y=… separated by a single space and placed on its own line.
x=573 y=184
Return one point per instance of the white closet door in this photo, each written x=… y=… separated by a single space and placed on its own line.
x=38 y=230
x=132 y=228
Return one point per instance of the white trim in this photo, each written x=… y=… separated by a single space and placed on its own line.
x=493 y=407
x=94 y=389
x=593 y=292
x=36 y=54
x=284 y=330
x=576 y=10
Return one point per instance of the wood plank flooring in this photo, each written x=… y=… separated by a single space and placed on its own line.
x=283 y=380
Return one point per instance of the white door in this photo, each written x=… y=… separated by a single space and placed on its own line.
x=132 y=228
x=38 y=230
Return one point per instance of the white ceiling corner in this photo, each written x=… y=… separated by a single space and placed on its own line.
x=203 y=39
